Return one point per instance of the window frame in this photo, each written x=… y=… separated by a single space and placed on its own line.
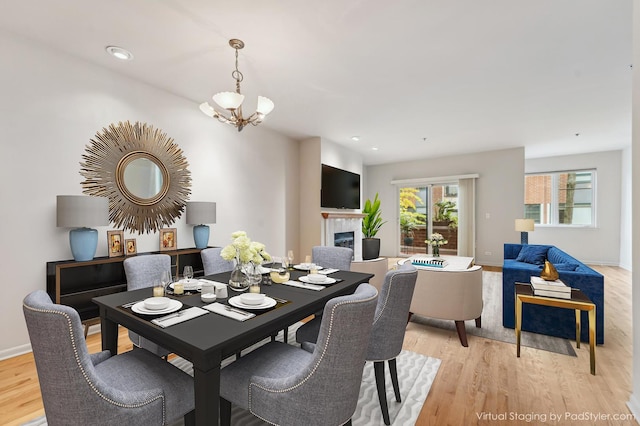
x=554 y=205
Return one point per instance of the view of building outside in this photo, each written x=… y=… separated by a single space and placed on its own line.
x=418 y=206
x=564 y=198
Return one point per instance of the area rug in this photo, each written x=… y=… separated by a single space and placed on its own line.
x=416 y=374
x=492 y=322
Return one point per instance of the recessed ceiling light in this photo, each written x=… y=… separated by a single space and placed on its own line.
x=355 y=138
x=375 y=148
x=119 y=52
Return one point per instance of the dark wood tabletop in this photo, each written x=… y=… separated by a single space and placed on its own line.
x=208 y=339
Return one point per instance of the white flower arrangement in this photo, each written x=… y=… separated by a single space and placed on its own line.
x=436 y=240
x=243 y=250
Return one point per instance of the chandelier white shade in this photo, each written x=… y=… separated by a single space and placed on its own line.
x=232 y=101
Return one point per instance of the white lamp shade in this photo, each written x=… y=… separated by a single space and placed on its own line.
x=265 y=105
x=524 y=225
x=74 y=211
x=207 y=109
x=228 y=100
x=201 y=212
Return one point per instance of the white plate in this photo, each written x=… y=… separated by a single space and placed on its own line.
x=305 y=266
x=192 y=285
x=139 y=308
x=268 y=303
x=328 y=281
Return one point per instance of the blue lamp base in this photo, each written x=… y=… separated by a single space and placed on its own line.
x=84 y=242
x=524 y=238
x=201 y=236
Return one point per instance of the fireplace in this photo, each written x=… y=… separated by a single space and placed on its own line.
x=343 y=230
x=344 y=239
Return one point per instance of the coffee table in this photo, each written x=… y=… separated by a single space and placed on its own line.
x=578 y=301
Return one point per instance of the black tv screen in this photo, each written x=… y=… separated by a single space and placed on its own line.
x=340 y=188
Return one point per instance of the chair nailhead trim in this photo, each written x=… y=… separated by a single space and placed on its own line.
x=315 y=367
x=84 y=373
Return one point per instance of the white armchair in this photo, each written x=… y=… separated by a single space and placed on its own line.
x=449 y=295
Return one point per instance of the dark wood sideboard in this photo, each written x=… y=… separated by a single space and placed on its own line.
x=76 y=283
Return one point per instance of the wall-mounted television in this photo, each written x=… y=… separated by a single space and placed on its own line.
x=340 y=188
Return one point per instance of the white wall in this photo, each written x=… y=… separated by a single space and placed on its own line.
x=601 y=244
x=626 y=217
x=634 y=399
x=52 y=104
x=499 y=196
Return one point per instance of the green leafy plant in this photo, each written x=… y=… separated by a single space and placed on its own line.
x=372 y=221
x=409 y=221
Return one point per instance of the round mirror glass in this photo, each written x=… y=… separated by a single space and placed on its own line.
x=143 y=178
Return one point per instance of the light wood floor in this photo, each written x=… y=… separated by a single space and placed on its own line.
x=479 y=385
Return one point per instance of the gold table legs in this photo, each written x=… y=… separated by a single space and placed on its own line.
x=577 y=305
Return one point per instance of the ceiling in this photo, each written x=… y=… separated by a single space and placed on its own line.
x=413 y=78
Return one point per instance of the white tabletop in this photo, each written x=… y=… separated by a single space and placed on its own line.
x=454 y=263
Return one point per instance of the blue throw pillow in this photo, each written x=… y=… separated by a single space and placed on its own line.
x=566 y=266
x=535 y=255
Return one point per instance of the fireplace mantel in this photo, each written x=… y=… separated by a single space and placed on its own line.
x=337 y=222
x=337 y=215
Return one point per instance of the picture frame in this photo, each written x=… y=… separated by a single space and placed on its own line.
x=130 y=247
x=115 y=243
x=168 y=239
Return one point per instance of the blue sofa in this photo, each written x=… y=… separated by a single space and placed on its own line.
x=521 y=263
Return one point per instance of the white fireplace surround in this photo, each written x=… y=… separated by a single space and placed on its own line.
x=343 y=222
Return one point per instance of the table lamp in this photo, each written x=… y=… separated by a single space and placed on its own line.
x=80 y=212
x=524 y=226
x=199 y=213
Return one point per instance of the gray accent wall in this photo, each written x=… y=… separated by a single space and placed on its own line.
x=499 y=196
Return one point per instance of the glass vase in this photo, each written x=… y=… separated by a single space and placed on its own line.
x=436 y=251
x=239 y=281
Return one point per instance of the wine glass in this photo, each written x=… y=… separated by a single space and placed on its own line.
x=290 y=258
x=165 y=279
x=188 y=272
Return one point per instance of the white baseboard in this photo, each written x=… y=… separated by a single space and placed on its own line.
x=15 y=351
x=26 y=348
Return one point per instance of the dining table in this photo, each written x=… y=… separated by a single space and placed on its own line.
x=210 y=338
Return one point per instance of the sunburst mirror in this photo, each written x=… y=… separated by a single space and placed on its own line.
x=142 y=172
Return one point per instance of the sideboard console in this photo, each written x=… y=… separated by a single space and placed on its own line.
x=76 y=283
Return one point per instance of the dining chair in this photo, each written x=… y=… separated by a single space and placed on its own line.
x=387 y=334
x=142 y=271
x=214 y=263
x=315 y=385
x=332 y=257
x=79 y=388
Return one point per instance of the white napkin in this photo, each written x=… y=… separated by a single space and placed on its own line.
x=304 y=285
x=221 y=309
x=327 y=271
x=177 y=317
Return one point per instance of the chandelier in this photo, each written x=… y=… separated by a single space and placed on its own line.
x=232 y=101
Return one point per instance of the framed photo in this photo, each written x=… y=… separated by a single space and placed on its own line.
x=168 y=239
x=130 y=246
x=115 y=239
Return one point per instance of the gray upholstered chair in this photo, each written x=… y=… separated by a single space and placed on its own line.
x=79 y=388
x=332 y=257
x=286 y=385
x=142 y=271
x=214 y=263
x=387 y=334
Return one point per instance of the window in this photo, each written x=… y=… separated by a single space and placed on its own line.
x=561 y=198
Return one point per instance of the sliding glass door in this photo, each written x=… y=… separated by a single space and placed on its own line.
x=425 y=210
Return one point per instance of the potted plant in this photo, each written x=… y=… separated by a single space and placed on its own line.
x=407 y=224
x=371 y=223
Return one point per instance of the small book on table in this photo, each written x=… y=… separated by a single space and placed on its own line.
x=555 y=288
